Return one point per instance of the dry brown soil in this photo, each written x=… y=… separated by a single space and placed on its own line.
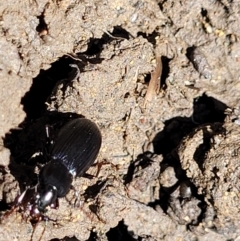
x=170 y=163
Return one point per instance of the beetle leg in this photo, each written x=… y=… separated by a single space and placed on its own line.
x=20 y=198
x=102 y=163
x=77 y=202
x=88 y=176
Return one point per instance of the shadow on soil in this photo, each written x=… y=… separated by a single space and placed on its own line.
x=206 y=110
x=29 y=145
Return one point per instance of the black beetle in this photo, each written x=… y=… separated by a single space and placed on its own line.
x=73 y=152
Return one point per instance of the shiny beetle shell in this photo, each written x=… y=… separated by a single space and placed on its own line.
x=73 y=152
x=77 y=145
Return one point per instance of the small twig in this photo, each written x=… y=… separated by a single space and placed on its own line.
x=154 y=84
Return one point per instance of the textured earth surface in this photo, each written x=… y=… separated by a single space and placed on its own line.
x=161 y=80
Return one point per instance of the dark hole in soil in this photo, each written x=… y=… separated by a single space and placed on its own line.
x=127 y=94
x=118 y=31
x=204 y=12
x=164 y=75
x=42 y=24
x=3 y=206
x=205 y=110
x=190 y=56
x=147 y=78
x=150 y=37
x=165 y=72
x=34 y=100
x=143 y=161
x=161 y=5
x=189 y=52
x=95 y=45
x=92 y=191
x=65 y=239
x=119 y=233
x=92 y=237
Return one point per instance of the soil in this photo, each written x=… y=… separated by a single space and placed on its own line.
x=161 y=80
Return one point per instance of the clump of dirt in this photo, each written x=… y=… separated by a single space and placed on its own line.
x=215 y=173
x=160 y=78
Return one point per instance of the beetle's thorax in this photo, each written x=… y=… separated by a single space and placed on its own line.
x=54 y=178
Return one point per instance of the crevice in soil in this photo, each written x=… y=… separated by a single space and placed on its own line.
x=206 y=110
x=65 y=239
x=96 y=45
x=92 y=191
x=34 y=100
x=147 y=78
x=42 y=26
x=119 y=233
x=150 y=37
x=143 y=160
x=93 y=236
x=165 y=72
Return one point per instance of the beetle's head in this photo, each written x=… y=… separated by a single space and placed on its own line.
x=46 y=197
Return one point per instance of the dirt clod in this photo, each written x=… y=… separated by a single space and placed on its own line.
x=169 y=159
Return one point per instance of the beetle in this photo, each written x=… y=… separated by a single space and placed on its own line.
x=73 y=152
